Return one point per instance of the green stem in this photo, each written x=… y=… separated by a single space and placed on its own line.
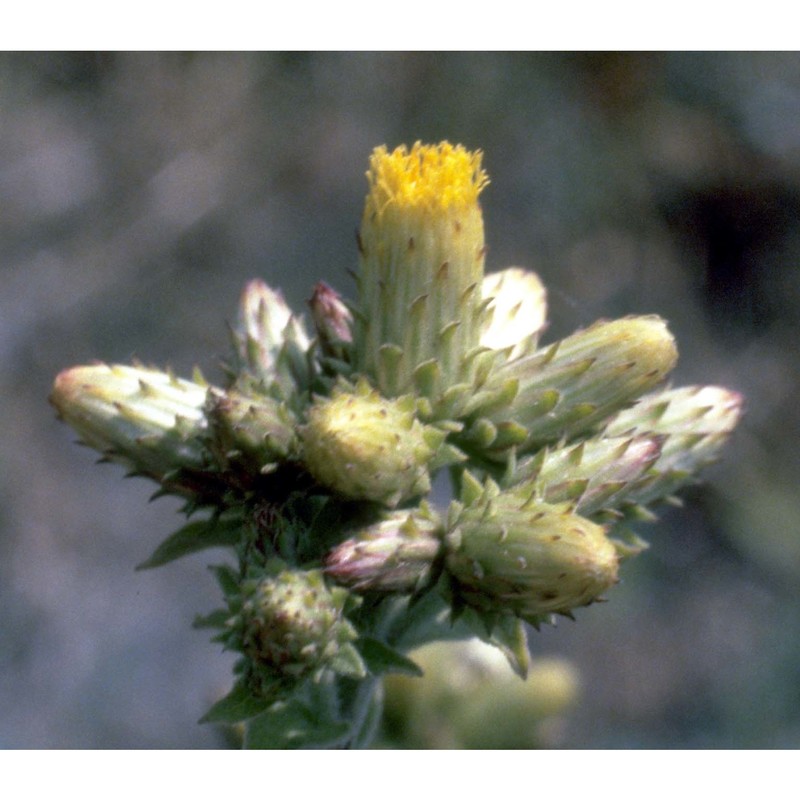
x=361 y=703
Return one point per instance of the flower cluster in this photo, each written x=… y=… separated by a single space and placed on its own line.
x=314 y=460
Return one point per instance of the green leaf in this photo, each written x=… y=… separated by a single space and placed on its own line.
x=506 y=632
x=510 y=638
x=196 y=536
x=380 y=658
x=216 y=619
x=239 y=705
x=227 y=578
x=427 y=618
x=290 y=725
x=347 y=661
x=364 y=734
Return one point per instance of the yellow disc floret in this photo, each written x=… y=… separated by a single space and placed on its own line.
x=432 y=177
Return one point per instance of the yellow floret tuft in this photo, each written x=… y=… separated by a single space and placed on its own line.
x=437 y=177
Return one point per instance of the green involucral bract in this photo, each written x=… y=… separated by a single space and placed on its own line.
x=313 y=464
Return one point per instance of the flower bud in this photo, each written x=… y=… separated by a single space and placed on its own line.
x=593 y=474
x=694 y=422
x=509 y=552
x=516 y=312
x=148 y=420
x=421 y=264
x=572 y=386
x=332 y=320
x=291 y=624
x=365 y=447
x=270 y=342
x=255 y=432
x=395 y=554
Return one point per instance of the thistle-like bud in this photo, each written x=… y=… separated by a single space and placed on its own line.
x=516 y=312
x=508 y=551
x=694 y=423
x=332 y=320
x=421 y=249
x=271 y=343
x=573 y=385
x=592 y=475
x=395 y=554
x=254 y=432
x=292 y=624
x=365 y=447
x=148 y=420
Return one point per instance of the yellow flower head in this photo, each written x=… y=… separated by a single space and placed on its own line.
x=422 y=248
x=432 y=178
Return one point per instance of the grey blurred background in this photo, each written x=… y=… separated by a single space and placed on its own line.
x=138 y=192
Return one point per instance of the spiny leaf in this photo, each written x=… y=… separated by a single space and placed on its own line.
x=216 y=619
x=238 y=705
x=380 y=658
x=509 y=636
x=348 y=662
x=290 y=725
x=227 y=578
x=196 y=536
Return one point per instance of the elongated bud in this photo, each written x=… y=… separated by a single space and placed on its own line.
x=593 y=474
x=396 y=554
x=254 y=432
x=694 y=423
x=516 y=313
x=366 y=447
x=332 y=320
x=508 y=551
x=148 y=420
x=291 y=624
x=576 y=383
x=421 y=264
x=271 y=343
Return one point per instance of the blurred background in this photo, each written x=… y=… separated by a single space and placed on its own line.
x=138 y=193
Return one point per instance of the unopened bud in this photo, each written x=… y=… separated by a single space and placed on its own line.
x=255 y=432
x=332 y=320
x=516 y=313
x=573 y=385
x=694 y=422
x=271 y=343
x=508 y=551
x=148 y=420
x=366 y=447
x=593 y=474
x=396 y=554
x=291 y=624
